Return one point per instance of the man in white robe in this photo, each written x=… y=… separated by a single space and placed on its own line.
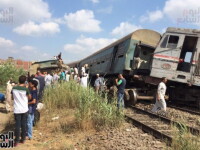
x=160 y=104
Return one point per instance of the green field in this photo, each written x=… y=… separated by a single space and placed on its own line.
x=2 y=89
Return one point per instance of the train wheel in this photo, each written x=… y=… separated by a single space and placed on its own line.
x=126 y=95
x=126 y=98
x=133 y=96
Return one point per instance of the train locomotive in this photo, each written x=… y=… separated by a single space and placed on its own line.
x=147 y=55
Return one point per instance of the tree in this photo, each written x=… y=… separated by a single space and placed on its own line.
x=8 y=70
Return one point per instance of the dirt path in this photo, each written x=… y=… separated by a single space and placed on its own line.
x=47 y=138
x=4 y=117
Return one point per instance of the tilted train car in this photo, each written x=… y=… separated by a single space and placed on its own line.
x=177 y=57
x=119 y=56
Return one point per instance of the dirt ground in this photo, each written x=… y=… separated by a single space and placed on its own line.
x=61 y=134
x=4 y=117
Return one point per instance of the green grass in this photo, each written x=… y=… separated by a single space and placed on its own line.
x=183 y=140
x=91 y=109
x=2 y=89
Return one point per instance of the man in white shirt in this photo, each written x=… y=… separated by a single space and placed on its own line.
x=160 y=104
x=48 y=80
x=55 y=78
x=9 y=96
x=84 y=80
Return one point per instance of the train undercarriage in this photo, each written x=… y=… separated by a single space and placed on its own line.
x=145 y=87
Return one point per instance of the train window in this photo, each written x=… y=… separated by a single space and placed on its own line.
x=164 y=42
x=102 y=62
x=188 y=57
x=98 y=62
x=170 y=41
x=173 y=41
x=120 y=56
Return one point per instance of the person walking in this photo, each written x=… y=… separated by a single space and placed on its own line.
x=121 y=84
x=20 y=95
x=160 y=104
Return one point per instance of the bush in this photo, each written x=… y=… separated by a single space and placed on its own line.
x=91 y=109
x=7 y=71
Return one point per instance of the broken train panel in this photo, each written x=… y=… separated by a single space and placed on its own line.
x=49 y=66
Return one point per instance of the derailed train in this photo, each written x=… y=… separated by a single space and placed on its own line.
x=150 y=56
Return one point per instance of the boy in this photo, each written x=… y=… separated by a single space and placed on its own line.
x=20 y=95
x=31 y=106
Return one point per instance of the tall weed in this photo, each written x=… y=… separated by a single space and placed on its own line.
x=183 y=140
x=91 y=109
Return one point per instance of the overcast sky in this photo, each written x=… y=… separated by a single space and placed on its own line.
x=39 y=29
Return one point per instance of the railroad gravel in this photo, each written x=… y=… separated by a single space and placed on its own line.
x=177 y=115
x=128 y=137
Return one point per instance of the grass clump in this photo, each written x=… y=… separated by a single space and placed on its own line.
x=183 y=140
x=91 y=110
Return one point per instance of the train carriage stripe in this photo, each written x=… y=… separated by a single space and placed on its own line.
x=170 y=58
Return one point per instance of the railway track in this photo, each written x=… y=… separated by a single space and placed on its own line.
x=185 y=109
x=158 y=126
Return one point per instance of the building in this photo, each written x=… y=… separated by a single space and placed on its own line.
x=18 y=63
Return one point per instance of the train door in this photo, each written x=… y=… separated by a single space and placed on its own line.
x=142 y=59
x=187 y=53
x=197 y=69
x=115 y=49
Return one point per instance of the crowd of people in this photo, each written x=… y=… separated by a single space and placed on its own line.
x=29 y=91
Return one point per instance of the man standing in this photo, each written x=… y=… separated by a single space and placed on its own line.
x=75 y=73
x=160 y=96
x=32 y=107
x=48 y=80
x=42 y=84
x=121 y=84
x=9 y=96
x=62 y=76
x=55 y=78
x=84 y=79
x=97 y=83
x=20 y=95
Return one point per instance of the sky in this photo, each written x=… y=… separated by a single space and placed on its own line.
x=36 y=30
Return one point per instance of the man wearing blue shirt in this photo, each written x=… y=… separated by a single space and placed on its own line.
x=121 y=84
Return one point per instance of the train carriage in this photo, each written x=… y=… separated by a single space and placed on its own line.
x=132 y=52
x=177 y=57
